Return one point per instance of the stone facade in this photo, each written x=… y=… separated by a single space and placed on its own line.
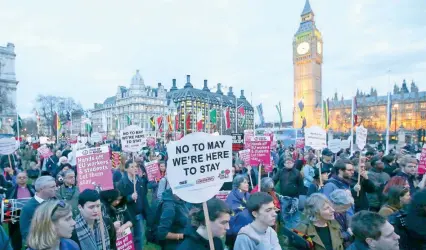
x=8 y=84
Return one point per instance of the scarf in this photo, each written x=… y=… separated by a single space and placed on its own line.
x=88 y=240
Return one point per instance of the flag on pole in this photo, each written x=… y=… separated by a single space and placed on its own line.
x=160 y=123
x=58 y=124
x=243 y=115
x=15 y=125
x=326 y=115
x=200 y=120
x=152 y=122
x=355 y=112
x=188 y=120
x=129 y=120
x=279 y=112
x=169 y=122
x=227 y=115
x=177 y=122
x=260 y=113
x=213 y=116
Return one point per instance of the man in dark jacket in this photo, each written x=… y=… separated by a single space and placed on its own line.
x=132 y=187
x=52 y=163
x=408 y=166
x=45 y=187
x=291 y=187
x=19 y=191
x=173 y=221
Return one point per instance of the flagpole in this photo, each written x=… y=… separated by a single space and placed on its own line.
x=236 y=115
x=352 y=126
x=164 y=125
x=184 y=117
x=322 y=115
x=57 y=129
x=221 y=115
x=17 y=123
x=388 y=123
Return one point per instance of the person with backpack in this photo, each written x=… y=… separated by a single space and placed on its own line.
x=416 y=220
x=196 y=236
x=172 y=222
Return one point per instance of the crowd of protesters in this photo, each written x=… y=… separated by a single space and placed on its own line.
x=311 y=200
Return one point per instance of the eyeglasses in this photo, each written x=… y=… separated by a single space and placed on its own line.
x=59 y=203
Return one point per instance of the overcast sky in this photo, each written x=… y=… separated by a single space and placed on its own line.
x=85 y=49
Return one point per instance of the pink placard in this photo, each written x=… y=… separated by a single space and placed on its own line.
x=422 y=163
x=153 y=170
x=300 y=143
x=125 y=242
x=44 y=152
x=260 y=152
x=245 y=156
x=222 y=195
x=150 y=142
x=248 y=134
x=94 y=168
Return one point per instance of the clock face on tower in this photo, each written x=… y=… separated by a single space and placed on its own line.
x=303 y=48
x=319 y=48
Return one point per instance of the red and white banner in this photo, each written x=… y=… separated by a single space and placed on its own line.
x=153 y=170
x=125 y=242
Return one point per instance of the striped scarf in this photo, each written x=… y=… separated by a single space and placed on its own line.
x=89 y=240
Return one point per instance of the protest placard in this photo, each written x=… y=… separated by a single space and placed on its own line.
x=125 y=242
x=248 y=134
x=315 y=137
x=237 y=141
x=222 y=195
x=8 y=146
x=132 y=139
x=245 y=156
x=94 y=168
x=150 y=142
x=153 y=170
x=422 y=161
x=361 y=137
x=300 y=142
x=198 y=165
x=44 y=152
x=73 y=139
x=334 y=145
x=345 y=143
x=260 y=152
x=95 y=137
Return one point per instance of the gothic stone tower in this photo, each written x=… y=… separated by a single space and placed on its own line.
x=307 y=61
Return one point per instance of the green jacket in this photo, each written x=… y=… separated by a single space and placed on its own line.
x=70 y=197
x=308 y=228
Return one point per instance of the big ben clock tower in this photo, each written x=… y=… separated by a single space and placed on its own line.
x=307 y=61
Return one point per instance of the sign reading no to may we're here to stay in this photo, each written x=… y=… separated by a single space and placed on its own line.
x=198 y=165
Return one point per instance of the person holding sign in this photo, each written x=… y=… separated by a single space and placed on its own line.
x=88 y=231
x=197 y=238
x=259 y=234
x=133 y=188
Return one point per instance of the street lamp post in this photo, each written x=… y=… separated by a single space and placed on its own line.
x=396 y=115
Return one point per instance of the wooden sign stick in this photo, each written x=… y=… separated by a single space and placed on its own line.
x=209 y=231
x=359 y=175
x=319 y=169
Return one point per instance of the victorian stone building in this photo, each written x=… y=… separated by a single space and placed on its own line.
x=8 y=85
x=189 y=101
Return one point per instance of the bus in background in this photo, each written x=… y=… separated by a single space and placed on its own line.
x=287 y=136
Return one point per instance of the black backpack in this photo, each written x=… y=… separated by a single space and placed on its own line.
x=397 y=220
x=152 y=225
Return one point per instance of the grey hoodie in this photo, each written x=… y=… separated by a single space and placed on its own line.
x=250 y=239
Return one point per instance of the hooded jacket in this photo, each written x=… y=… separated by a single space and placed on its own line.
x=291 y=182
x=250 y=239
x=195 y=241
x=126 y=188
x=174 y=219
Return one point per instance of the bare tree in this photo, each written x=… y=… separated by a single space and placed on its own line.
x=48 y=105
x=29 y=126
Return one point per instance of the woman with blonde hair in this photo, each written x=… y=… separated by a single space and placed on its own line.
x=321 y=225
x=51 y=227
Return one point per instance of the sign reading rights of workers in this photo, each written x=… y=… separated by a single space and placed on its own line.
x=132 y=139
x=315 y=137
x=198 y=165
x=94 y=168
x=260 y=152
x=361 y=137
x=8 y=146
x=125 y=242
